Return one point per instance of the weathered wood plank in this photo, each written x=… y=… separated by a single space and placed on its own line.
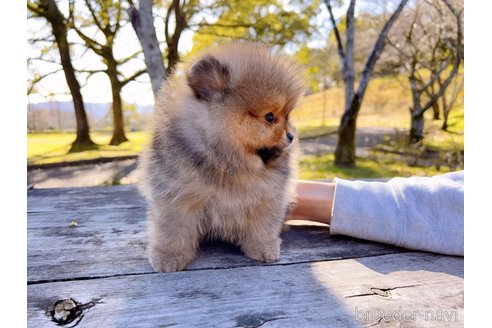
x=87 y=198
x=344 y=293
x=84 y=244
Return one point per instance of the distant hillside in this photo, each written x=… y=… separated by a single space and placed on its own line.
x=55 y=115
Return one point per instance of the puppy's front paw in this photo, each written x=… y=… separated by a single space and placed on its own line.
x=262 y=251
x=168 y=262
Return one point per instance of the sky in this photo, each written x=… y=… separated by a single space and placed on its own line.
x=97 y=89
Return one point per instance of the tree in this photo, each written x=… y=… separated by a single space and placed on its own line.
x=49 y=11
x=431 y=52
x=345 y=149
x=266 y=21
x=106 y=15
x=449 y=99
x=259 y=20
x=143 y=23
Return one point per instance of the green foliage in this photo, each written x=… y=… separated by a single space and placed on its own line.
x=267 y=21
x=322 y=67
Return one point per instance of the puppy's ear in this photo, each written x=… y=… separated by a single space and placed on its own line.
x=208 y=77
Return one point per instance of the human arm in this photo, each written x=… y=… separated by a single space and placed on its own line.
x=422 y=213
x=314 y=201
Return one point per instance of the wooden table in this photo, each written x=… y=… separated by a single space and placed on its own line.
x=87 y=263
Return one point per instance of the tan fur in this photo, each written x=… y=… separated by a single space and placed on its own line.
x=202 y=173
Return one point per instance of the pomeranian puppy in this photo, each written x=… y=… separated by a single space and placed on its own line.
x=222 y=155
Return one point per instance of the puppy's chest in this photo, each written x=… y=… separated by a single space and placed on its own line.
x=235 y=208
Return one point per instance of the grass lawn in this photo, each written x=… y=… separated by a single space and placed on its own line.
x=322 y=168
x=385 y=105
x=45 y=148
x=448 y=146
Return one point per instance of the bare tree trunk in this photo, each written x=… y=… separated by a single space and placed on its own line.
x=444 y=126
x=418 y=110
x=417 y=120
x=435 y=105
x=172 y=58
x=118 y=125
x=118 y=136
x=435 y=111
x=172 y=40
x=57 y=21
x=445 y=112
x=345 y=149
x=447 y=106
x=143 y=24
x=348 y=63
x=417 y=127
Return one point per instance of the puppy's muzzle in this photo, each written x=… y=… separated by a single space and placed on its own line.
x=269 y=154
x=290 y=137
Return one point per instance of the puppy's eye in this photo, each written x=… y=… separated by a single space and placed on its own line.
x=269 y=117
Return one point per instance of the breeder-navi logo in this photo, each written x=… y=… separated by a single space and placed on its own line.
x=401 y=315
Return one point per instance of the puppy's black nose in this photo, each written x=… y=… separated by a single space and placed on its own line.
x=290 y=136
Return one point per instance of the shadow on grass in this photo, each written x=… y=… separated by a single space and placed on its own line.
x=78 y=148
x=454 y=128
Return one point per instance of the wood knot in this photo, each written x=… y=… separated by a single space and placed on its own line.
x=66 y=311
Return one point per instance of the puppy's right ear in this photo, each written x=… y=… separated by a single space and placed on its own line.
x=208 y=77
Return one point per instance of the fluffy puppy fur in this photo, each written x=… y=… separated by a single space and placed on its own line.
x=221 y=155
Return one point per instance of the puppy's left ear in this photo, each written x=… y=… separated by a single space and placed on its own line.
x=208 y=78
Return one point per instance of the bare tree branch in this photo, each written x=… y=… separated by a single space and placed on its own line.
x=457 y=61
x=91 y=71
x=118 y=19
x=36 y=40
x=219 y=35
x=44 y=60
x=89 y=74
x=434 y=76
x=129 y=57
x=133 y=77
x=348 y=64
x=93 y=44
x=218 y=24
x=166 y=21
x=94 y=16
x=341 y=52
x=378 y=48
x=40 y=78
x=143 y=23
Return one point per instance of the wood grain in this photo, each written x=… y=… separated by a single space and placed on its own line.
x=80 y=244
x=88 y=245
x=87 y=198
x=322 y=294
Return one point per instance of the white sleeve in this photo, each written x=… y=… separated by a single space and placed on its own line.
x=421 y=213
